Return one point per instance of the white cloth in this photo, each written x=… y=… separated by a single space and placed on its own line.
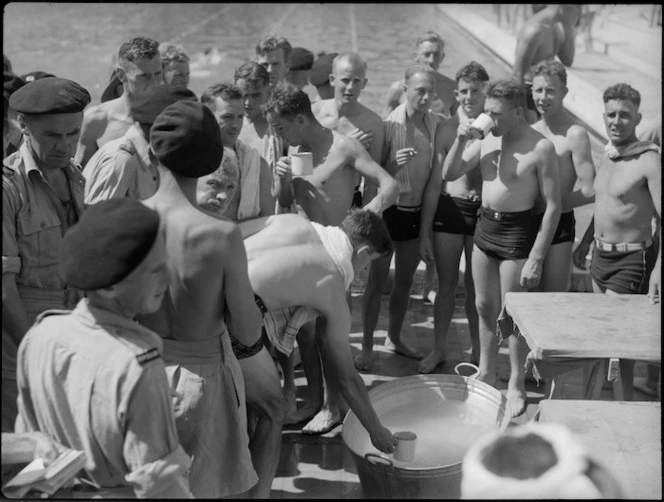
x=565 y=480
x=250 y=170
x=338 y=246
x=395 y=139
x=622 y=152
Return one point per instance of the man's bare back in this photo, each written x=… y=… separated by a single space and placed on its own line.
x=101 y=124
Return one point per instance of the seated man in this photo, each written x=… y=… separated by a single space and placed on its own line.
x=122 y=167
x=300 y=270
x=92 y=378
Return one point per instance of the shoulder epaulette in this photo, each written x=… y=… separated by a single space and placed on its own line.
x=147 y=356
x=50 y=312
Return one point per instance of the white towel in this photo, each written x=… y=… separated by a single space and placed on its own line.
x=250 y=170
x=395 y=139
x=622 y=152
x=338 y=246
x=282 y=326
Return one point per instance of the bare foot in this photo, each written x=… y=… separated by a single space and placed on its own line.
x=297 y=416
x=323 y=422
x=517 y=400
x=403 y=349
x=364 y=360
x=429 y=363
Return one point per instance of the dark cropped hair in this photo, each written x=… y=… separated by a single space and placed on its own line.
x=269 y=44
x=224 y=90
x=419 y=68
x=509 y=89
x=253 y=73
x=287 y=101
x=366 y=227
x=136 y=49
x=551 y=68
x=472 y=72
x=623 y=92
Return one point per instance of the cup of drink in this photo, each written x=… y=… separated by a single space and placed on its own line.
x=302 y=164
x=481 y=126
x=405 y=450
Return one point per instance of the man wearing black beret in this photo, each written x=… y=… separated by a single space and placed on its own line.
x=122 y=167
x=319 y=76
x=208 y=296
x=42 y=196
x=301 y=61
x=92 y=378
x=139 y=69
x=11 y=133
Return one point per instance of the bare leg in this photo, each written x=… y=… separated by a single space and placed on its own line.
x=510 y=276
x=429 y=281
x=556 y=268
x=312 y=370
x=447 y=250
x=407 y=257
x=471 y=310
x=263 y=394
x=488 y=301
x=378 y=272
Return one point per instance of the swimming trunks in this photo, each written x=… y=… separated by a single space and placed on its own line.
x=403 y=222
x=565 y=231
x=506 y=236
x=243 y=351
x=456 y=215
x=623 y=272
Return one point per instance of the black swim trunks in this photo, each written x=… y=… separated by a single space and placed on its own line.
x=456 y=215
x=240 y=350
x=506 y=236
x=565 y=231
x=622 y=271
x=403 y=222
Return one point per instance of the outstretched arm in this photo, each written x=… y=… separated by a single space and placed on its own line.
x=388 y=188
x=526 y=47
x=585 y=169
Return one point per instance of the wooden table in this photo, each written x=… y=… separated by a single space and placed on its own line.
x=625 y=437
x=586 y=328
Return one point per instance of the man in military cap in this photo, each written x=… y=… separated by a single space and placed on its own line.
x=11 y=134
x=122 y=167
x=301 y=61
x=139 y=69
x=92 y=378
x=35 y=75
x=208 y=296
x=42 y=190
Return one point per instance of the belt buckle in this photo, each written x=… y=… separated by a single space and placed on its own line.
x=496 y=215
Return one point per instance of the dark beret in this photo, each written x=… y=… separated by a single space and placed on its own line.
x=301 y=59
x=111 y=91
x=35 y=75
x=321 y=70
x=50 y=95
x=12 y=84
x=110 y=240
x=145 y=106
x=186 y=139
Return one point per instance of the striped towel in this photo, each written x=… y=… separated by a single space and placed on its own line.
x=395 y=139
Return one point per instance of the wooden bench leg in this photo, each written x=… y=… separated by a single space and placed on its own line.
x=593 y=378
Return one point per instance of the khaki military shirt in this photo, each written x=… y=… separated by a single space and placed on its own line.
x=95 y=381
x=121 y=168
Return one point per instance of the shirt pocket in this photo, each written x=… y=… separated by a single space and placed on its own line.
x=39 y=239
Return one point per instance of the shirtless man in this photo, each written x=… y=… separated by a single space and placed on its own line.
x=209 y=294
x=549 y=33
x=429 y=51
x=449 y=211
x=409 y=137
x=324 y=196
x=627 y=197
x=518 y=166
x=297 y=263
x=139 y=69
x=273 y=54
x=253 y=197
x=254 y=82
x=575 y=162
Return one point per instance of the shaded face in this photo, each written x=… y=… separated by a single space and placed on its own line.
x=430 y=54
x=362 y=258
x=143 y=290
x=53 y=138
x=620 y=119
x=420 y=90
x=275 y=64
x=503 y=114
x=348 y=80
x=284 y=128
x=470 y=95
x=215 y=192
x=254 y=96
x=230 y=117
x=176 y=73
x=142 y=75
x=548 y=93
x=299 y=78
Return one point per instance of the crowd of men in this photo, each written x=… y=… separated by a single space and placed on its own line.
x=160 y=257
